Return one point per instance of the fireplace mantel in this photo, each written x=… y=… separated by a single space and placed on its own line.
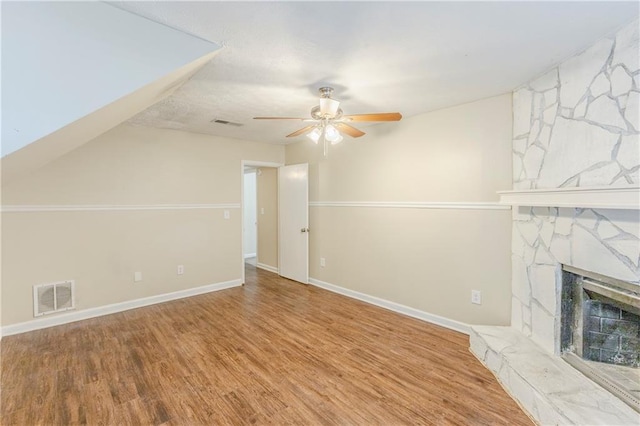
x=627 y=197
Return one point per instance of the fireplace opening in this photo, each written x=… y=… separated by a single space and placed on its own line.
x=600 y=331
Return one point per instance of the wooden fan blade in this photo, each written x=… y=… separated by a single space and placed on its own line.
x=349 y=130
x=381 y=116
x=301 y=131
x=278 y=118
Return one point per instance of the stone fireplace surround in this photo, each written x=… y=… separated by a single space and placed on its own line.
x=576 y=202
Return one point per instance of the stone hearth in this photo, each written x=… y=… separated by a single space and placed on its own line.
x=545 y=386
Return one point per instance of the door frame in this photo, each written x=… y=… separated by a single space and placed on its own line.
x=249 y=163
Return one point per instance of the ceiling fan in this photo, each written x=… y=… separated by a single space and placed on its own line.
x=329 y=122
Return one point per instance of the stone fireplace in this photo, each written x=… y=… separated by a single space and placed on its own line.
x=555 y=250
x=575 y=204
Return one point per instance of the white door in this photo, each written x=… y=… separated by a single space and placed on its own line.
x=293 y=194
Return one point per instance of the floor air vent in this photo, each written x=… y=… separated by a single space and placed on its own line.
x=54 y=297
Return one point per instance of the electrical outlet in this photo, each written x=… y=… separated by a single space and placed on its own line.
x=323 y=263
x=262 y=210
x=180 y=269
x=137 y=277
x=476 y=297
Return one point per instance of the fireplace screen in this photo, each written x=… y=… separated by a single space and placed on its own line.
x=611 y=334
x=600 y=330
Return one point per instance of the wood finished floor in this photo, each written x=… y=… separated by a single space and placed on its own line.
x=271 y=352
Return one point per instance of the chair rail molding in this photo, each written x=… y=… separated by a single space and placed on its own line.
x=112 y=207
x=488 y=205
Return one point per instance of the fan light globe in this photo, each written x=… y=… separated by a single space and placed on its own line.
x=331 y=133
x=314 y=135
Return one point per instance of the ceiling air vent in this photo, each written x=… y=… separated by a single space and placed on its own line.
x=53 y=297
x=226 y=123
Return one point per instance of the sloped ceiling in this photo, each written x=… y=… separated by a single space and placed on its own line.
x=72 y=70
x=411 y=57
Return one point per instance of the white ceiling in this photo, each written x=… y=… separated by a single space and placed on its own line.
x=411 y=57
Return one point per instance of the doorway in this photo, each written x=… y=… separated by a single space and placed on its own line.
x=259 y=216
x=250 y=219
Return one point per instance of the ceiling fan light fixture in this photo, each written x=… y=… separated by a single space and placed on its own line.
x=329 y=107
x=314 y=135
x=328 y=122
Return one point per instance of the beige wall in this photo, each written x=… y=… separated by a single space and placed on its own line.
x=102 y=249
x=428 y=259
x=267 y=183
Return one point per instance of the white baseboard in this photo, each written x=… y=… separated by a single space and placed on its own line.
x=396 y=307
x=68 y=317
x=248 y=255
x=267 y=268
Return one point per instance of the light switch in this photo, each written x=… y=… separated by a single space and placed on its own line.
x=262 y=210
x=137 y=276
x=227 y=214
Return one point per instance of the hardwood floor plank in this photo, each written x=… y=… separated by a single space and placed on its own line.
x=272 y=352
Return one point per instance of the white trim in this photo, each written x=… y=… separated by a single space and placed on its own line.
x=107 y=207
x=267 y=268
x=413 y=205
x=583 y=197
x=65 y=318
x=396 y=307
x=247 y=256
